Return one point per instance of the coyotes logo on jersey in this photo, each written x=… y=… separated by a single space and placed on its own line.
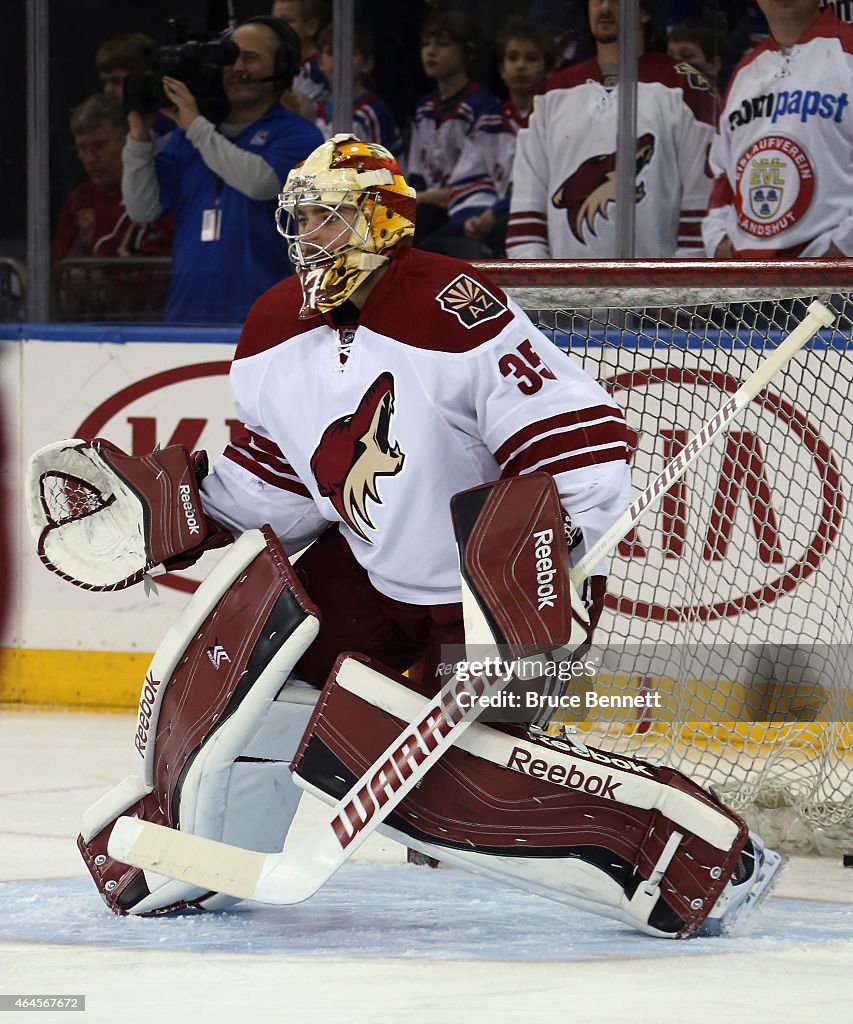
x=591 y=188
x=354 y=452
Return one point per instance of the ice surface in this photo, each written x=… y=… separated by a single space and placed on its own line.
x=383 y=941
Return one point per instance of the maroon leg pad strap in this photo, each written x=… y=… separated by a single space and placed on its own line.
x=532 y=799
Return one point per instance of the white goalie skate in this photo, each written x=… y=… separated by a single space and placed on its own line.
x=757 y=872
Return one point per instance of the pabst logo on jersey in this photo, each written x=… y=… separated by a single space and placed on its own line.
x=774 y=186
x=749 y=524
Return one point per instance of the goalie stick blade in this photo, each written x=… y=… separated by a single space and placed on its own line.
x=202 y=862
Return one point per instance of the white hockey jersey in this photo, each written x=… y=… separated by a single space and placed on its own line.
x=564 y=174
x=434 y=147
x=482 y=175
x=783 y=152
x=444 y=384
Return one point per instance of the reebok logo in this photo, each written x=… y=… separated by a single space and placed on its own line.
x=625 y=764
x=147 y=703
x=545 y=571
x=568 y=775
x=185 y=495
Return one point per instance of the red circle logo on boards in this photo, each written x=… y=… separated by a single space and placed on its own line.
x=749 y=521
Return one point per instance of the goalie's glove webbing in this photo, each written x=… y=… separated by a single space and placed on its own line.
x=103 y=519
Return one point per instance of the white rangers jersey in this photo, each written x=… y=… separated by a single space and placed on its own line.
x=564 y=174
x=482 y=175
x=434 y=147
x=444 y=384
x=783 y=152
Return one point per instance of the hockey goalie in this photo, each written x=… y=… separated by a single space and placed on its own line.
x=419 y=472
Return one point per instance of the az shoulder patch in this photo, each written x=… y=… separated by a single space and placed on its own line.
x=469 y=301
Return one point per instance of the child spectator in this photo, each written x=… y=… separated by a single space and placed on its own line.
x=692 y=42
x=445 y=117
x=480 y=187
x=307 y=18
x=130 y=53
x=120 y=56
x=372 y=120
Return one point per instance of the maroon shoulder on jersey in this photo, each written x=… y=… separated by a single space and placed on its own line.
x=434 y=302
x=698 y=92
x=274 y=318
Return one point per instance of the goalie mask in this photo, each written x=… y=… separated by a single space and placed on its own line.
x=342 y=212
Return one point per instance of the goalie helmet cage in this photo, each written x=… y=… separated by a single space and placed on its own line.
x=729 y=605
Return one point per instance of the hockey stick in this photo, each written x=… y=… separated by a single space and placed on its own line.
x=817 y=316
x=294 y=875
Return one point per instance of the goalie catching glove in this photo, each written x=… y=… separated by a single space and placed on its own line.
x=103 y=519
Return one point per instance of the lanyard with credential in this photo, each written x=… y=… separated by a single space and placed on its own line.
x=211 y=219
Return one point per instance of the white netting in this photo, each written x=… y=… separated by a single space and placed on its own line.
x=732 y=600
x=65 y=497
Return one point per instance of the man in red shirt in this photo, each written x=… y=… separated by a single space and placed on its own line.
x=93 y=222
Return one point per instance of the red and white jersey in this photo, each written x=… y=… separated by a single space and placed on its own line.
x=564 y=174
x=311 y=82
x=482 y=175
x=444 y=384
x=783 y=152
x=434 y=146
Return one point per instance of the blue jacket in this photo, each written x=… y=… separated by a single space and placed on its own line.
x=217 y=282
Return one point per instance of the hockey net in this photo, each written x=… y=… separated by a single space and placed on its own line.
x=732 y=602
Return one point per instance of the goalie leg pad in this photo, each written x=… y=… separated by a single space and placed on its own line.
x=214 y=742
x=603 y=832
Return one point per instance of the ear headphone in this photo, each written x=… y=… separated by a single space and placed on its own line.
x=288 y=53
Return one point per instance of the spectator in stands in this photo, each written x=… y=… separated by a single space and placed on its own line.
x=564 y=174
x=130 y=53
x=307 y=18
x=222 y=180
x=480 y=186
x=444 y=118
x=120 y=56
x=372 y=120
x=93 y=220
x=697 y=44
x=781 y=154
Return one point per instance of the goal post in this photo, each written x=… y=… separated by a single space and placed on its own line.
x=729 y=608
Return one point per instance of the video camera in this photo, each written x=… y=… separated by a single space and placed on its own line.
x=197 y=62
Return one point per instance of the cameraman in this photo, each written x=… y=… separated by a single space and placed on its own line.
x=221 y=181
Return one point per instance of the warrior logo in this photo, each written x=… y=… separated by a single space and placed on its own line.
x=217 y=655
x=354 y=451
x=589 y=191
